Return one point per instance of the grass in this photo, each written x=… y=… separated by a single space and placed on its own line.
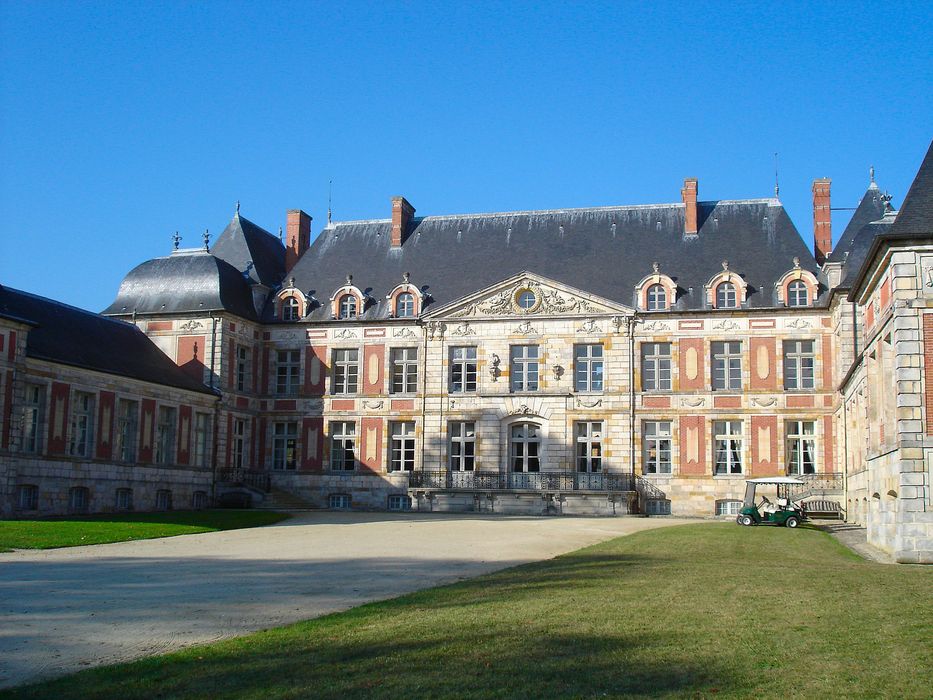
x=100 y=529
x=690 y=611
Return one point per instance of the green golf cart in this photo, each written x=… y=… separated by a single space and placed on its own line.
x=782 y=512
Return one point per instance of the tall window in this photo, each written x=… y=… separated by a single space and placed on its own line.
x=342 y=446
x=285 y=445
x=33 y=414
x=798 y=294
x=656 y=447
x=462 y=369
x=656 y=366
x=589 y=438
x=798 y=364
x=402 y=457
x=525 y=447
x=238 y=448
x=404 y=370
x=127 y=429
x=588 y=367
x=82 y=422
x=726 y=296
x=78 y=499
x=242 y=368
x=727 y=439
x=801 y=447
x=287 y=372
x=657 y=297
x=165 y=436
x=405 y=305
x=462 y=446
x=346 y=371
x=202 y=439
x=290 y=309
x=727 y=365
x=347 y=306
x=524 y=367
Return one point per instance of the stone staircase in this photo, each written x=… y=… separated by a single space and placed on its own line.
x=278 y=499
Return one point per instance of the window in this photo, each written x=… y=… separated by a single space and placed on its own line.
x=82 y=422
x=402 y=457
x=462 y=370
x=726 y=297
x=727 y=365
x=287 y=372
x=798 y=364
x=199 y=500
x=798 y=294
x=462 y=446
x=399 y=501
x=284 y=445
x=342 y=446
x=404 y=370
x=588 y=367
x=525 y=448
x=801 y=447
x=728 y=446
x=657 y=297
x=338 y=501
x=202 y=439
x=124 y=500
x=127 y=429
x=165 y=436
x=524 y=370
x=658 y=506
x=290 y=309
x=242 y=368
x=589 y=438
x=347 y=306
x=656 y=366
x=527 y=300
x=32 y=418
x=728 y=507
x=238 y=450
x=27 y=497
x=78 y=499
x=163 y=499
x=346 y=371
x=656 y=447
x=405 y=305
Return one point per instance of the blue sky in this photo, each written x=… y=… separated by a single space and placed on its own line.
x=121 y=123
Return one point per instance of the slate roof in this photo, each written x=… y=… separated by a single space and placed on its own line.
x=79 y=338
x=915 y=217
x=243 y=242
x=605 y=251
x=860 y=245
x=187 y=280
x=870 y=208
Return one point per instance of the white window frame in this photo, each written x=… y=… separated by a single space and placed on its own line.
x=657 y=447
x=462 y=441
x=405 y=305
x=339 y=501
x=727 y=448
x=33 y=417
x=165 y=435
x=799 y=365
x=398 y=502
x=285 y=445
x=402 y=444
x=202 y=439
x=404 y=370
x=343 y=446
x=801 y=439
x=81 y=443
x=290 y=309
x=728 y=506
x=727 y=296
x=463 y=362
x=525 y=439
x=588 y=367
x=346 y=371
x=726 y=365
x=656 y=298
x=287 y=372
x=588 y=436
x=798 y=294
x=242 y=368
x=127 y=430
x=524 y=367
x=238 y=447
x=656 y=367
x=347 y=306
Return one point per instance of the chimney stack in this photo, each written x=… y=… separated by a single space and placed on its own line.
x=297 y=238
x=822 y=220
x=689 y=195
x=402 y=213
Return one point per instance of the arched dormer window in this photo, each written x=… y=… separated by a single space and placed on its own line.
x=726 y=289
x=405 y=305
x=726 y=298
x=406 y=300
x=798 y=294
x=290 y=309
x=657 y=291
x=657 y=298
x=348 y=302
x=291 y=302
x=797 y=287
x=346 y=308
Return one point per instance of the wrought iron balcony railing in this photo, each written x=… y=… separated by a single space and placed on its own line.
x=521 y=481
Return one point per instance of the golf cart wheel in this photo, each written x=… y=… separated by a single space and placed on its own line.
x=792 y=521
x=746 y=520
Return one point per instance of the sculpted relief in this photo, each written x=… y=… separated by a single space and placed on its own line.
x=529 y=297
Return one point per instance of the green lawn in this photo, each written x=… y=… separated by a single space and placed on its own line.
x=705 y=610
x=99 y=529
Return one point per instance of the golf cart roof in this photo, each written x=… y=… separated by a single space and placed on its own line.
x=776 y=480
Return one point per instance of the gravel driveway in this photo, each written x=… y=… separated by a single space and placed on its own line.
x=63 y=610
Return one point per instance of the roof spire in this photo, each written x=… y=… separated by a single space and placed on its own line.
x=207 y=240
x=777 y=187
x=176 y=239
x=330 y=184
x=871 y=175
x=238 y=207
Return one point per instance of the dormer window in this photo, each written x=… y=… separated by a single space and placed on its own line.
x=726 y=297
x=798 y=294
x=405 y=305
x=290 y=310
x=657 y=291
x=797 y=287
x=657 y=298
x=406 y=300
x=347 y=306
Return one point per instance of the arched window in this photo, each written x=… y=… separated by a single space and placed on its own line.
x=290 y=309
x=798 y=294
x=347 y=306
x=525 y=447
x=657 y=298
x=726 y=297
x=405 y=305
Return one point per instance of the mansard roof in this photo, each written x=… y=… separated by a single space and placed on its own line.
x=915 y=217
x=243 y=242
x=79 y=338
x=869 y=209
x=185 y=281
x=605 y=251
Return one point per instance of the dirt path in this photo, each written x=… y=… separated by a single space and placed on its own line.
x=67 y=609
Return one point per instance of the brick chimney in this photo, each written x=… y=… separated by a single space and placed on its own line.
x=297 y=238
x=822 y=220
x=402 y=213
x=689 y=195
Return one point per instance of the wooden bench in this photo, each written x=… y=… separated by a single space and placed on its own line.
x=822 y=509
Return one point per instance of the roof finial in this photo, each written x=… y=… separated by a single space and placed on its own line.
x=655 y=266
x=725 y=265
x=291 y=281
x=280 y=234
x=330 y=184
x=796 y=263
x=349 y=279
x=207 y=239
x=777 y=187
x=176 y=239
x=886 y=200
x=871 y=174
x=407 y=277
x=238 y=207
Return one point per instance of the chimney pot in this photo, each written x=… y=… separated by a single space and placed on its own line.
x=689 y=196
x=298 y=236
x=402 y=213
x=822 y=220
